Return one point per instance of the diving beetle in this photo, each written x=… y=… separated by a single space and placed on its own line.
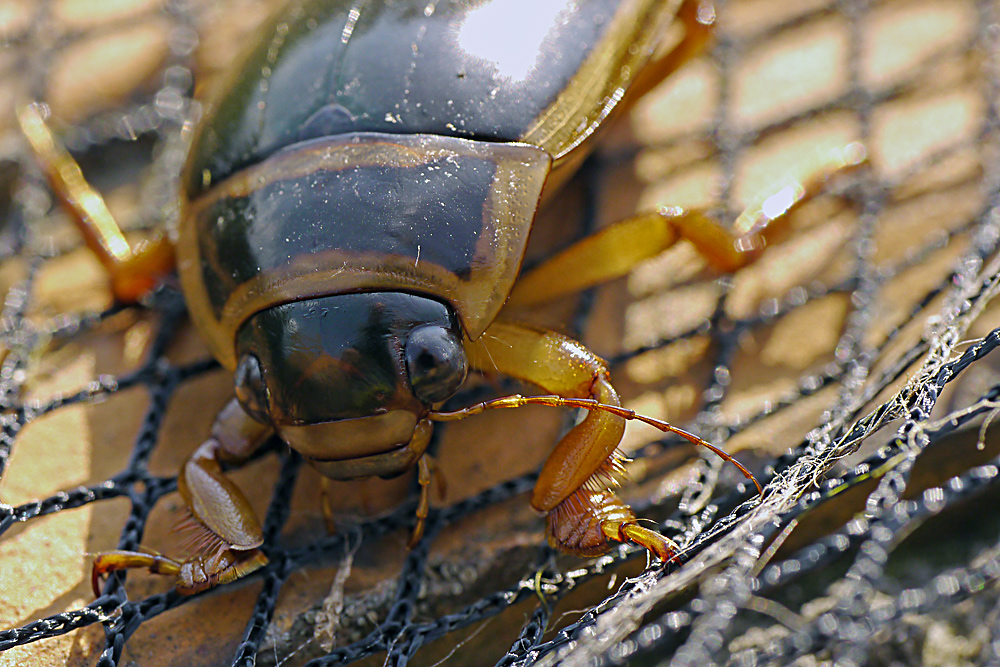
x=356 y=203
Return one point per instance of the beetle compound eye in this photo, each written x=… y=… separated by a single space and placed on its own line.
x=435 y=362
x=251 y=391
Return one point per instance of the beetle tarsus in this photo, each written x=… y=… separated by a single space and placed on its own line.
x=112 y=561
x=658 y=545
x=591 y=518
x=193 y=576
x=226 y=565
x=587 y=522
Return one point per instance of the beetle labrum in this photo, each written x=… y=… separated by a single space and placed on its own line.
x=356 y=204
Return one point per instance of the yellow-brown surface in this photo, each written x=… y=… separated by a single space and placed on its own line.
x=782 y=107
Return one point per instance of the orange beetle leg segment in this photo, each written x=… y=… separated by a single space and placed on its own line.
x=583 y=526
x=698 y=19
x=216 y=504
x=199 y=574
x=326 y=505
x=133 y=271
x=112 y=561
x=193 y=576
x=583 y=522
x=424 y=477
x=224 y=530
x=564 y=367
x=150 y=262
x=766 y=221
x=428 y=474
x=615 y=250
x=584 y=464
x=575 y=486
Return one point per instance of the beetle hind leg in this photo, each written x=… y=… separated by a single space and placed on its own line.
x=698 y=19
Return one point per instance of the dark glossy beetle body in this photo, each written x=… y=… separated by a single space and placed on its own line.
x=399 y=149
x=497 y=71
x=355 y=209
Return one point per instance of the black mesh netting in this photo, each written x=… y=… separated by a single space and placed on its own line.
x=849 y=369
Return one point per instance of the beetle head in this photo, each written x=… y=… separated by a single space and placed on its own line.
x=350 y=376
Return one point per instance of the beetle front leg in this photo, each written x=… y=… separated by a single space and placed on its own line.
x=575 y=486
x=193 y=576
x=224 y=528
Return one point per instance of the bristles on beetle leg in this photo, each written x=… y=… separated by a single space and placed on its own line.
x=197 y=537
x=592 y=517
x=609 y=475
x=577 y=524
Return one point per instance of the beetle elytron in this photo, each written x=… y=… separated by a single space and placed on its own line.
x=355 y=208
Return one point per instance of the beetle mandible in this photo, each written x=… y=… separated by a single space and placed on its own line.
x=355 y=207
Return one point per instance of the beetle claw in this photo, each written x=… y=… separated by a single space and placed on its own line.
x=659 y=545
x=199 y=574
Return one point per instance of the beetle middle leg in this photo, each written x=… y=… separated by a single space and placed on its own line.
x=424 y=477
x=134 y=271
x=225 y=530
x=615 y=250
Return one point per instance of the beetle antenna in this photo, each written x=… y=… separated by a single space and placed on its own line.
x=517 y=401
